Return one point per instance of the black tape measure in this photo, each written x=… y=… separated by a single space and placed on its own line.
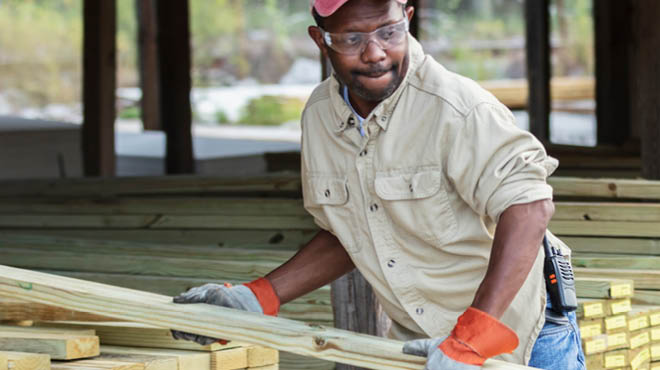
x=559 y=279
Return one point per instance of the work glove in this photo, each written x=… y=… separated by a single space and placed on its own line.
x=476 y=337
x=257 y=296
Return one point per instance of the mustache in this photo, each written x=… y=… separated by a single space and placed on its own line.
x=375 y=71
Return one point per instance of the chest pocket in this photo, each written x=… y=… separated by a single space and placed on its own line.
x=332 y=196
x=417 y=202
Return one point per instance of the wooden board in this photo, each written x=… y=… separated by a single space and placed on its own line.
x=230 y=359
x=613 y=245
x=591 y=211
x=16 y=310
x=58 y=346
x=27 y=361
x=605 y=228
x=261 y=356
x=605 y=188
x=40 y=330
x=187 y=360
x=633 y=262
x=138 y=335
x=643 y=279
x=290 y=361
x=603 y=287
x=120 y=361
x=3 y=361
x=105 y=187
x=152 y=309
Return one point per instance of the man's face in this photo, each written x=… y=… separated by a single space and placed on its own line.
x=373 y=74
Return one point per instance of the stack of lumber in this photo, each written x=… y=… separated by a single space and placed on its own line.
x=613 y=228
x=159 y=234
x=76 y=347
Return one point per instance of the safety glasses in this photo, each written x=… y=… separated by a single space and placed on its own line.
x=352 y=43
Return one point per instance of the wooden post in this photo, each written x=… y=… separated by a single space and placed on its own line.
x=99 y=83
x=537 y=21
x=148 y=62
x=645 y=92
x=175 y=84
x=612 y=21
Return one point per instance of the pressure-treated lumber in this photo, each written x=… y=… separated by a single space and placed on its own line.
x=58 y=346
x=139 y=335
x=590 y=211
x=3 y=361
x=281 y=184
x=65 y=221
x=16 y=310
x=40 y=330
x=107 y=361
x=603 y=287
x=616 y=245
x=605 y=188
x=153 y=309
x=633 y=262
x=27 y=361
x=643 y=279
x=230 y=359
x=187 y=360
x=605 y=228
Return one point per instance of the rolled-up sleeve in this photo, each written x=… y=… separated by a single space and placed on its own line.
x=493 y=164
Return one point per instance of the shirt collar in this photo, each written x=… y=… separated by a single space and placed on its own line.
x=383 y=112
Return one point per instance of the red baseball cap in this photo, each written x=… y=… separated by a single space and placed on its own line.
x=326 y=8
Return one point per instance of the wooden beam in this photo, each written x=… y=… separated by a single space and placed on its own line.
x=612 y=21
x=186 y=359
x=99 y=84
x=613 y=245
x=3 y=361
x=603 y=287
x=605 y=188
x=17 y=310
x=537 y=24
x=643 y=279
x=27 y=361
x=148 y=62
x=175 y=84
x=213 y=321
x=592 y=211
x=57 y=346
x=645 y=94
x=119 y=362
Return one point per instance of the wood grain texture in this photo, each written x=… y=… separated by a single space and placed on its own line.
x=605 y=188
x=187 y=360
x=58 y=346
x=157 y=310
x=27 y=361
x=230 y=359
x=605 y=228
x=591 y=211
x=16 y=310
x=648 y=246
x=3 y=361
x=601 y=287
x=643 y=279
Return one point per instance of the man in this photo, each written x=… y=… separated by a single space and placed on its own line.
x=421 y=180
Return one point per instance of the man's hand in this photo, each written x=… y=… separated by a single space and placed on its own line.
x=476 y=337
x=257 y=296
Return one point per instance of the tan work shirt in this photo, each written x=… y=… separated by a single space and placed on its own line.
x=415 y=201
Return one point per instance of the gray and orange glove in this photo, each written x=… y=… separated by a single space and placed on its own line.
x=476 y=337
x=256 y=296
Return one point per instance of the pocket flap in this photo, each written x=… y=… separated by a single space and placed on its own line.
x=331 y=191
x=408 y=186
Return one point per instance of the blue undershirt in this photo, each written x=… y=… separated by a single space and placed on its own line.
x=359 y=118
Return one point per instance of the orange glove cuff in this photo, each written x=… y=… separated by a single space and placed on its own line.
x=268 y=299
x=478 y=336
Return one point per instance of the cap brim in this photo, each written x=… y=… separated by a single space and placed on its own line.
x=326 y=8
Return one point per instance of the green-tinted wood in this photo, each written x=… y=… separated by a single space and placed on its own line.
x=585 y=211
x=633 y=262
x=288 y=184
x=174 y=205
x=63 y=221
x=590 y=287
x=67 y=346
x=605 y=188
x=643 y=279
x=184 y=237
x=605 y=228
x=613 y=245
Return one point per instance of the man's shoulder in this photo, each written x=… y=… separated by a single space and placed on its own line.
x=460 y=93
x=320 y=94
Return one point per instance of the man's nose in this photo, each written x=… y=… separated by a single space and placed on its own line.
x=373 y=52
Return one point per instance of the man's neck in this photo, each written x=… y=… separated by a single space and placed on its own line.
x=361 y=106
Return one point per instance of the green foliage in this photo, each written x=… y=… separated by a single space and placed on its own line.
x=221 y=117
x=271 y=110
x=132 y=112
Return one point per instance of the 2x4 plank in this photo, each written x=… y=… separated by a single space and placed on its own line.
x=605 y=188
x=282 y=334
x=187 y=360
x=58 y=346
x=27 y=361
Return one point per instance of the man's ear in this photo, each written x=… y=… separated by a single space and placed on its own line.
x=409 y=12
x=315 y=34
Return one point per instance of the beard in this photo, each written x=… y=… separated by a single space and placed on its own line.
x=376 y=95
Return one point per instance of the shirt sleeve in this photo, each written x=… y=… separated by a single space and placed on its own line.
x=493 y=164
x=311 y=207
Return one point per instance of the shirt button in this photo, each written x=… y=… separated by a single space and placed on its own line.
x=351 y=121
x=411 y=188
x=327 y=193
x=391 y=263
x=383 y=118
x=374 y=207
x=363 y=153
x=419 y=311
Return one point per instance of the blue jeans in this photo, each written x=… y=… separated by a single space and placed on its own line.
x=558 y=346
